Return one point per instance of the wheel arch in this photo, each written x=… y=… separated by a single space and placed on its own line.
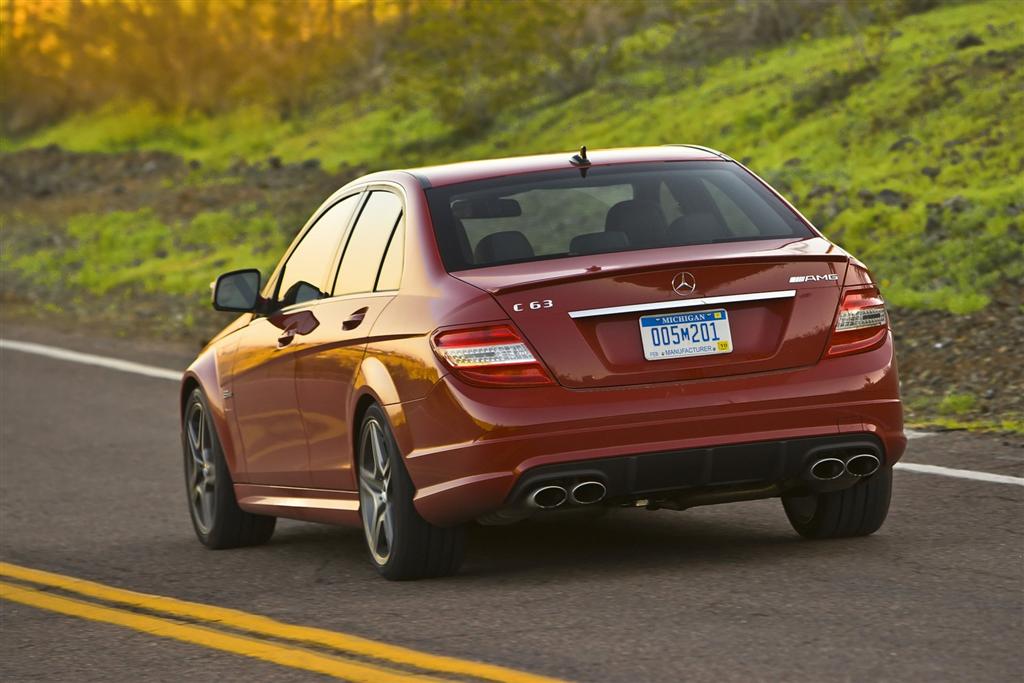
x=363 y=403
x=374 y=385
x=188 y=384
x=202 y=375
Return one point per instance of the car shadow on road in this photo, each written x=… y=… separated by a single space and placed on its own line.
x=550 y=547
x=619 y=542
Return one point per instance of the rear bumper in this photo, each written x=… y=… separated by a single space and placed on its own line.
x=699 y=476
x=467 y=447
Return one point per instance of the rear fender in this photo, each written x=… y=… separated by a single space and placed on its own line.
x=374 y=383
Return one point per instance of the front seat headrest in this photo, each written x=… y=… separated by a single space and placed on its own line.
x=642 y=222
x=508 y=245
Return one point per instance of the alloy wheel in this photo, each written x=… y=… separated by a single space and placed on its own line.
x=375 y=491
x=200 y=472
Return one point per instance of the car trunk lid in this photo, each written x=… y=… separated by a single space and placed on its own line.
x=581 y=314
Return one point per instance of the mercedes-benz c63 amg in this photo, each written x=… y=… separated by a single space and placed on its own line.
x=486 y=341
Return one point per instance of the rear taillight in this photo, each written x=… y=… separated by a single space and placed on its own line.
x=491 y=355
x=862 y=323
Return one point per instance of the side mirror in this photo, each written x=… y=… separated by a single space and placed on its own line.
x=237 y=291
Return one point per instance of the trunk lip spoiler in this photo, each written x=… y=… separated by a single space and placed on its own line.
x=683 y=303
x=478 y=279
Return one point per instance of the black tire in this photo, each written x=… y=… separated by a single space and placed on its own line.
x=216 y=517
x=416 y=548
x=857 y=511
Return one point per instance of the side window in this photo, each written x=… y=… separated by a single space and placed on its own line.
x=738 y=222
x=744 y=210
x=391 y=269
x=669 y=204
x=367 y=242
x=306 y=272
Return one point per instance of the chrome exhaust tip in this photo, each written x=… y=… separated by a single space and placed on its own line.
x=547 y=497
x=863 y=465
x=828 y=469
x=588 y=492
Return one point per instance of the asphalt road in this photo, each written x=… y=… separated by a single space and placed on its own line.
x=91 y=487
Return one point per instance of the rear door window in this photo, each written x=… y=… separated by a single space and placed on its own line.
x=364 y=252
x=390 y=276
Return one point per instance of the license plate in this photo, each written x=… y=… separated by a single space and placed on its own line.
x=685 y=335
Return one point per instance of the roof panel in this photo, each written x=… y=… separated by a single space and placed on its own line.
x=449 y=174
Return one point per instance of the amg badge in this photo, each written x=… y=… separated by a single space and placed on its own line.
x=813 y=278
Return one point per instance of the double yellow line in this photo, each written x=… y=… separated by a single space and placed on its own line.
x=299 y=647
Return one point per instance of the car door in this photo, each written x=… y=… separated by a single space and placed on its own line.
x=329 y=357
x=266 y=408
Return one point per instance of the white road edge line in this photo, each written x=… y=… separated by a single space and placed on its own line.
x=959 y=474
x=90 y=359
x=163 y=373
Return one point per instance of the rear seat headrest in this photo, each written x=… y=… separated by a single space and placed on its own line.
x=598 y=242
x=697 y=228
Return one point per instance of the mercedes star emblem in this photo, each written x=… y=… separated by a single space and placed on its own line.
x=684 y=284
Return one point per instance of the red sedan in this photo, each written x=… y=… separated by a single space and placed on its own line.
x=490 y=340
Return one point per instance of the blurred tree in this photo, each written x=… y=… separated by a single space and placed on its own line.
x=466 y=60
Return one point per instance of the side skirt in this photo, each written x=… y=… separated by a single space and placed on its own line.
x=311 y=505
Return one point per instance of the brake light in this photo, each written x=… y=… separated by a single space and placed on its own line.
x=861 y=325
x=492 y=355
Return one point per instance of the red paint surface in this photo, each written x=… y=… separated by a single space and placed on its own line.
x=289 y=422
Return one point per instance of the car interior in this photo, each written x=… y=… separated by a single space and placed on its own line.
x=494 y=229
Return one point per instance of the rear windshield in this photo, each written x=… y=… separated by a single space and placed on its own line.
x=610 y=209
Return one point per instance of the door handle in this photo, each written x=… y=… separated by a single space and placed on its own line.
x=355 y=319
x=286 y=338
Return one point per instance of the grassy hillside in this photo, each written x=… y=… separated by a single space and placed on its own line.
x=907 y=152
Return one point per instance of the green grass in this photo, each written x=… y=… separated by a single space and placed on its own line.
x=135 y=252
x=1012 y=426
x=813 y=117
x=955 y=404
x=339 y=137
x=958 y=410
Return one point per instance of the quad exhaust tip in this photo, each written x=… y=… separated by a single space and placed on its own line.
x=828 y=469
x=547 y=497
x=588 y=492
x=862 y=465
